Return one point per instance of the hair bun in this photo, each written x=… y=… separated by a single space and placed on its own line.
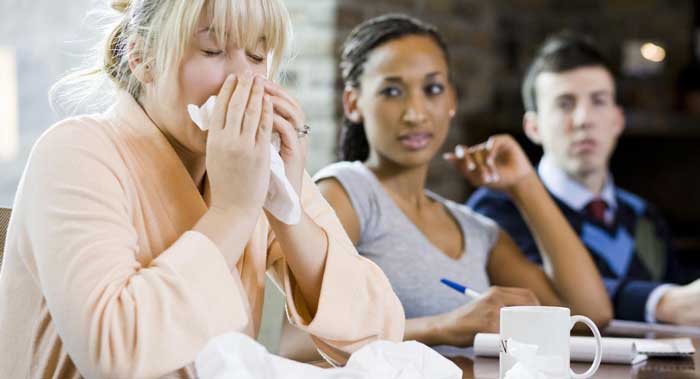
x=121 y=5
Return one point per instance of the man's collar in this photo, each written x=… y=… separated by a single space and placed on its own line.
x=570 y=191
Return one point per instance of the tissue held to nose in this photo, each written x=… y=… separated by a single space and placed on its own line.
x=282 y=201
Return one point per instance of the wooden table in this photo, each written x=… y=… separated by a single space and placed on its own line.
x=676 y=368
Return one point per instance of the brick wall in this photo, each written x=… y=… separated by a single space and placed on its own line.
x=311 y=74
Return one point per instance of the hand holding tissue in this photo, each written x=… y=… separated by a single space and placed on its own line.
x=282 y=201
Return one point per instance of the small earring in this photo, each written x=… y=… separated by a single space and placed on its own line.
x=452 y=113
x=355 y=117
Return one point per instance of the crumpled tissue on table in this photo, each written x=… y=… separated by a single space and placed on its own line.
x=532 y=366
x=235 y=355
x=282 y=201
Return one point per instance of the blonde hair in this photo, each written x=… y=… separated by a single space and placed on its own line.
x=159 y=31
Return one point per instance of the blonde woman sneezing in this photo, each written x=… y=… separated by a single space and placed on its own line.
x=136 y=237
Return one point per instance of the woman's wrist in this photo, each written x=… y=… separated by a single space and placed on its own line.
x=456 y=330
x=441 y=328
x=226 y=213
x=231 y=212
x=430 y=330
x=525 y=189
x=228 y=228
x=295 y=175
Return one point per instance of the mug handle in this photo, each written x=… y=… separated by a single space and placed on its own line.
x=598 y=347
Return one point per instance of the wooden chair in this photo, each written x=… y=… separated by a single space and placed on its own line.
x=4 y=220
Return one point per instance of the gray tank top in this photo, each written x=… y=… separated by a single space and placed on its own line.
x=412 y=263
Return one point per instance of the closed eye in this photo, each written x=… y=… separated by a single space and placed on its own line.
x=212 y=53
x=256 y=58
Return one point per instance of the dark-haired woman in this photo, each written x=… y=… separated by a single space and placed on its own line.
x=398 y=103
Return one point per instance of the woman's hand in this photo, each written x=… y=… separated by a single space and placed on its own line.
x=238 y=145
x=459 y=326
x=499 y=163
x=289 y=119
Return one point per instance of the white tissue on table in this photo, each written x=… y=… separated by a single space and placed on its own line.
x=532 y=366
x=235 y=355
x=409 y=359
x=282 y=201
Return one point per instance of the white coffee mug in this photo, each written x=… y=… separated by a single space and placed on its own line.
x=539 y=337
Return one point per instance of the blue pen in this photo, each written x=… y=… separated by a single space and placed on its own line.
x=460 y=288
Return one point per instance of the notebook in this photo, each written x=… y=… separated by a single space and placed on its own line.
x=625 y=327
x=671 y=347
x=615 y=350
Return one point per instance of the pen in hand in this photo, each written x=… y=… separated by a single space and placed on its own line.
x=460 y=288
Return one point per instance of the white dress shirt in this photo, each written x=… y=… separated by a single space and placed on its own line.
x=573 y=193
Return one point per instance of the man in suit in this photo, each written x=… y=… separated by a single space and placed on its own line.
x=572 y=112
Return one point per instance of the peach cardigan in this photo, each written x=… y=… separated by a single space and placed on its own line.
x=104 y=279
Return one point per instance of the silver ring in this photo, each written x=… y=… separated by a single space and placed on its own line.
x=302 y=132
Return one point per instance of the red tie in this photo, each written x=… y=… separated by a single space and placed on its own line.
x=596 y=210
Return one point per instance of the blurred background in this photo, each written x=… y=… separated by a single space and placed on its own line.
x=654 y=43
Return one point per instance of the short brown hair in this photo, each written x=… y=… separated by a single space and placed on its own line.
x=560 y=52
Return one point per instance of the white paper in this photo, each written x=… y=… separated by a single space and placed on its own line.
x=235 y=355
x=282 y=201
x=615 y=350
